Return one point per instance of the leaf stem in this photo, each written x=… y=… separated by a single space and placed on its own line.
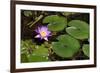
x=30 y=23
x=36 y=20
x=79 y=52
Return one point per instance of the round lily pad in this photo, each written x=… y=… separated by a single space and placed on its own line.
x=55 y=22
x=78 y=29
x=66 y=46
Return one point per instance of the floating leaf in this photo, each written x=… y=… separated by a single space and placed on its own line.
x=28 y=13
x=66 y=47
x=86 y=50
x=56 y=23
x=78 y=29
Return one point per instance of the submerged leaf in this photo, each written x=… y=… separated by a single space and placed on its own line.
x=39 y=54
x=67 y=13
x=27 y=46
x=27 y=13
x=33 y=53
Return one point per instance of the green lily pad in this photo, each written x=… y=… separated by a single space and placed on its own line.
x=78 y=29
x=66 y=46
x=55 y=22
x=36 y=58
x=86 y=50
x=28 y=13
x=39 y=54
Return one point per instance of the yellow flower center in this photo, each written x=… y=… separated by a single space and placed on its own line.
x=43 y=33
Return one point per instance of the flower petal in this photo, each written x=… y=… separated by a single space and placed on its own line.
x=44 y=28
x=46 y=38
x=48 y=32
x=37 y=36
x=39 y=29
x=36 y=31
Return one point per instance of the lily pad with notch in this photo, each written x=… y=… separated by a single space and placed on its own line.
x=55 y=22
x=66 y=46
x=78 y=29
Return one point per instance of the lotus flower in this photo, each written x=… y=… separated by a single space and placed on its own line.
x=43 y=33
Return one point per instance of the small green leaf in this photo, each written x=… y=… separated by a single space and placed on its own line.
x=28 y=13
x=66 y=46
x=39 y=54
x=33 y=53
x=56 y=23
x=25 y=46
x=24 y=58
x=35 y=58
x=41 y=51
x=86 y=50
x=78 y=29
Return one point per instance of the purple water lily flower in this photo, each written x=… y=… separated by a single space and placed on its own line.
x=43 y=33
